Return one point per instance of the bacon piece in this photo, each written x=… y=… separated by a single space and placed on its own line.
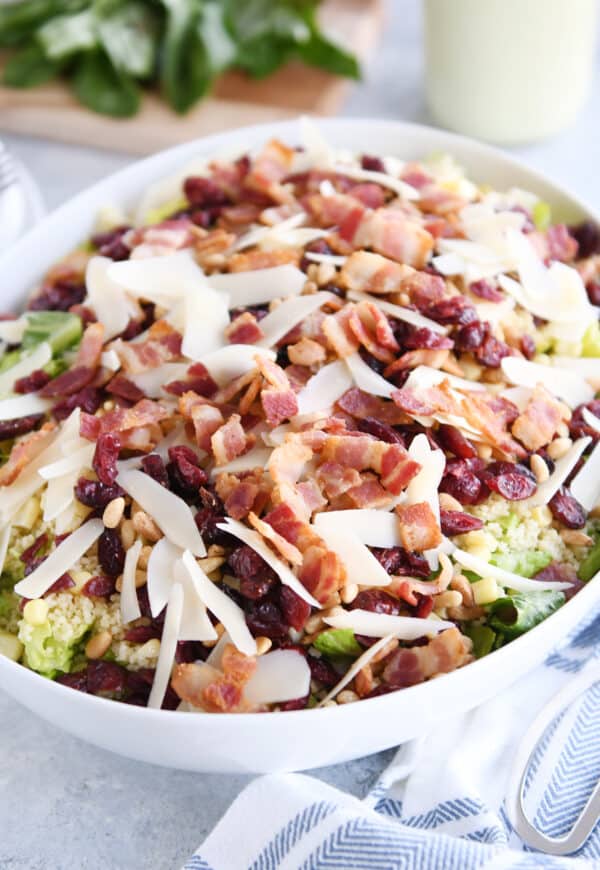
x=372 y=273
x=197 y=380
x=248 y=261
x=391 y=233
x=391 y=461
x=278 y=400
x=244 y=329
x=339 y=210
x=435 y=359
x=239 y=215
x=242 y=493
x=371 y=195
x=359 y=404
x=90 y=349
x=311 y=495
x=339 y=333
x=372 y=329
x=287 y=550
x=124 y=388
x=556 y=243
x=369 y=493
x=160 y=239
x=438 y=200
x=25 y=451
x=224 y=692
x=322 y=573
x=163 y=344
x=229 y=440
x=538 y=423
x=482 y=416
x=306 y=352
x=209 y=245
x=419 y=528
x=142 y=438
x=446 y=652
x=205 y=418
x=125 y=420
x=409 y=588
x=269 y=169
x=288 y=461
x=247 y=400
x=337 y=479
x=68 y=383
x=424 y=289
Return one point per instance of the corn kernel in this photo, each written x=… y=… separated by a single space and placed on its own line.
x=36 y=612
x=485 y=591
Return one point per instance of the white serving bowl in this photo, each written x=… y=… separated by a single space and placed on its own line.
x=302 y=739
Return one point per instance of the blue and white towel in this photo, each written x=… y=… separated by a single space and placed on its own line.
x=439 y=805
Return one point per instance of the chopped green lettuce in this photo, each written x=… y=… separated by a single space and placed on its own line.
x=515 y=614
x=337 y=642
x=590 y=345
x=162 y=212
x=591 y=564
x=49 y=648
x=542 y=215
x=526 y=563
x=60 y=329
x=483 y=638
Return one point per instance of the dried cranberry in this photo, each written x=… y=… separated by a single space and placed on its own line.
x=452 y=440
x=264 y=618
x=567 y=510
x=319 y=246
x=587 y=236
x=397 y=560
x=111 y=554
x=295 y=609
x=296 y=704
x=256 y=577
x=125 y=389
x=381 y=431
x=207 y=521
x=94 y=494
x=512 y=482
x=99 y=586
x=372 y=164
x=141 y=633
x=61 y=296
x=578 y=427
x=485 y=290
x=456 y=310
x=470 y=337
x=105 y=458
x=282 y=359
x=154 y=466
x=204 y=192
x=70 y=382
x=376 y=601
x=424 y=605
x=20 y=426
x=322 y=671
x=527 y=346
x=491 y=352
x=457 y=523
x=110 y=244
x=423 y=338
x=32 y=383
x=76 y=680
x=32 y=551
x=65 y=581
x=185 y=476
x=372 y=361
x=593 y=292
x=106 y=677
x=463 y=485
x=88 y=400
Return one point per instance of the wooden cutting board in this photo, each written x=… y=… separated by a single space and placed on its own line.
x=51 y=112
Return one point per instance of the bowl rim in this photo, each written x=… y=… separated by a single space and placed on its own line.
x=205 y=145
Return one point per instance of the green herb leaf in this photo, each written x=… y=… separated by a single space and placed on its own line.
x=185 y=70
x=515 y=614
x=66 y=35
x=337 y=642
x=525 y=563
x=102 y=88
x=591 y=564
x=130 y=38
x=29 y=67
x=483 y=638
x=60 y=329
x=19 y=21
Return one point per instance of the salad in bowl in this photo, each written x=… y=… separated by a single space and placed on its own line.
x=305 y=427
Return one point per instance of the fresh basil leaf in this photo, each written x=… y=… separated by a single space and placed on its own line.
x=218 y=43
x=185 y=71
x=102 y=88
x=29 y=67
x=262 y=57
x=259 y=19
x=67 y=35
x=337 y=642
x=20 y=20
x=320 y=52
x=130 y=38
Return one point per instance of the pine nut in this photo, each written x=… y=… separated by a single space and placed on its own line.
x=595 y=512
x=313 y=624
x=326 y=272
x=144 y=558
x=98 y=644
x=119 y=583
x=310 y=288
x=559 y=447
x=563 y=430
x=448 y=502
x=113 y=512
x=349 y=593
x=450 y=598
x=141 y=578
x=539 y=468
x=576 y=538
x=127 y=533
x=145 y=526
x=347 y=696
x=263 y=645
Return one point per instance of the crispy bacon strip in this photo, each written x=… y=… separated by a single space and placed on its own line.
x=243 y=493
x=419 y=528
x=244 y=329
x=269 y=169
x=538 y=423
x=25 y=451
x=372 y=273
x=277 y=397
x=390 y=233
x=229 y=440
x=446 y=652
x=90 y=349
x=390 y=461
x=287 y=550
x=306 y=352
x=338 y=332
x=360 y=405
x=162 y=345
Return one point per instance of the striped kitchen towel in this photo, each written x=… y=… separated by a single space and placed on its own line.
x=439 y=805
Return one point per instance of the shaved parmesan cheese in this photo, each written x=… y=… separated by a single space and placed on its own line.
x=29 y=481
x=4 y=539
x=384 y=625
x=160 y=573
x=591 y=419
x=234 y=360
x=259 y=285
x=562 y=469
x=60 y=560
x=255 y=458
x=163 y=280
x=519 y=396
x=505 y=578
x=398 y=311
x=215 y=656
x=206 y=317
x=332 y=259
x=366 y=379
x=152 y=381
x=400 y=187
x=586 y=367
x=36 y=359
x=254 y=540
x=281 y=675
x=585 y=486
x=258 y=235
x=11 y=331
x=361 y=565
x=59 y=495
x=325 y=388
x=23 y=406
x=130 y=608
x=110 y=360
x=168 y=646
x=171 y=514
x=317 y=151
x=358 y=665
x=226 y=610
x=370 y=526
x=77 y=461
x=107 y=298
x=570 y=386
x=195 y=624
x=424 y=376
x=283 y=318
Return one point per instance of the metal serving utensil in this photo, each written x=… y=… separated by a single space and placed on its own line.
x=583 y=827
